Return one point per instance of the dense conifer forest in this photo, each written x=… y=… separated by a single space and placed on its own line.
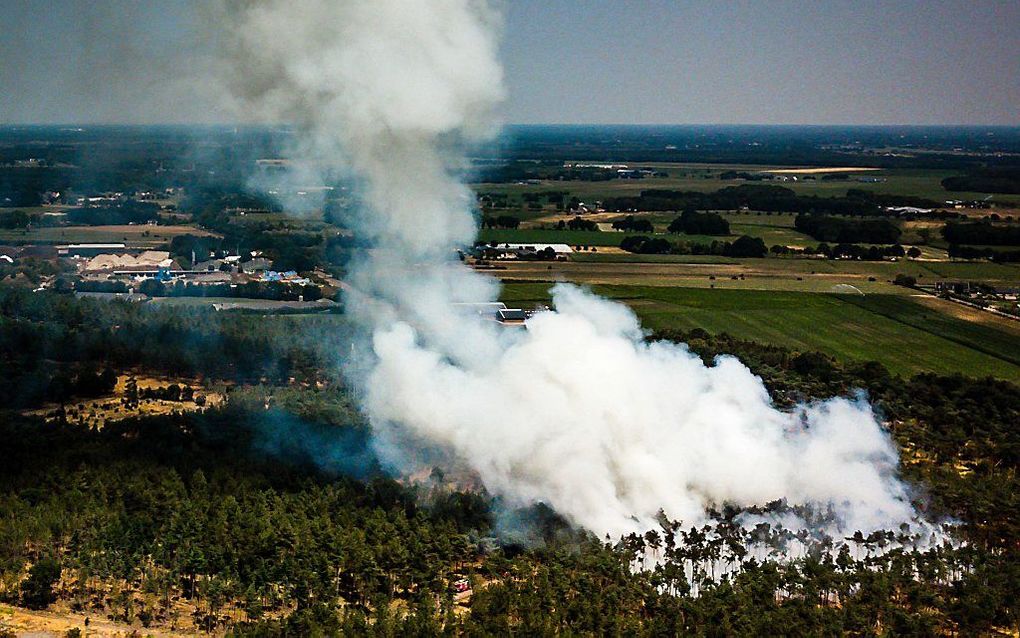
x=269 y=514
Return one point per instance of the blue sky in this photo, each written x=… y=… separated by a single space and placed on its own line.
x=628 y=61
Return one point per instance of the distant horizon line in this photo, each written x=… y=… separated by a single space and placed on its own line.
x=73 y=125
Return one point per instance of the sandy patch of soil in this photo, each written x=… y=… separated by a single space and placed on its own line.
x=818 y=171
x=968 y=313
x=26 y=622
x=115 y=407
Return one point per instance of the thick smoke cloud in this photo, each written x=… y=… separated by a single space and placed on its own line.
x=577 y=412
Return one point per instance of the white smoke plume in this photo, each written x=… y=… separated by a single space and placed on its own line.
x=577 y=412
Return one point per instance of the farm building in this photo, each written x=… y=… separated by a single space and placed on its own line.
x=511 y=316
x=496 y=311
x=525 y=251
x=146 y=261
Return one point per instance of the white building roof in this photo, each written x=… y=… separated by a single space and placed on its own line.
x=557 y=248
x=93 y=246
x=148 y=260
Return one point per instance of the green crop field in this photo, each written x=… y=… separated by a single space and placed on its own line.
x=705 y=178
x=633 y=258
x=769 y=234
x=140 y=236
x=690 y=271
x=906 y=336
x=575 y=237
x=793 y=273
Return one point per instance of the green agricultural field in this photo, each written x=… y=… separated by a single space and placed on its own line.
x=705 y=178
x=621 y=257
x=776 y=228
x=138 y=236
x=793 y=274
x=775 y=235
x=576 y=237
x=769 y=273
x=983 y=271
x=906 y=336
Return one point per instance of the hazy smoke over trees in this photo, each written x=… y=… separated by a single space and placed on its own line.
x=577 y=411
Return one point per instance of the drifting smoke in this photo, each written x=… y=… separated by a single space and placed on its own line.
x=577 y=412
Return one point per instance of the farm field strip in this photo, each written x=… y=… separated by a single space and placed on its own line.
x=629 y=268
x=905 y=336
x=705 y=178
x=138 y=235
x=755 y=274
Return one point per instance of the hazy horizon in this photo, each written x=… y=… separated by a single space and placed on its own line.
x=943 y=63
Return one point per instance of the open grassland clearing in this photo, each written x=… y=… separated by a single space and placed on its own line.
x=134 y=235
x=906 y=336
x=773 y=235
x=95 y=412
x=58 y=622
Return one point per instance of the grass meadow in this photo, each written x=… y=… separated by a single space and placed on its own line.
x=906 y=336
x=705 y=178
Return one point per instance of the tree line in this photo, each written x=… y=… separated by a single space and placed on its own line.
x=760 y=197
x=982 y=233
x=848 y=231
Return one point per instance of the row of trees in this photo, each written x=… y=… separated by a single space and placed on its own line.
x=126 y=212
x=272 y=290
x=982 y=234
x=577 y=223
x=743 y=246
x=849 y=251
x=691 y=222
x=957 y=251
x=750 y=196
x=1002 y=179
x=44 y=336
x=846 y=231
x=501 y=221
x=634 y=224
